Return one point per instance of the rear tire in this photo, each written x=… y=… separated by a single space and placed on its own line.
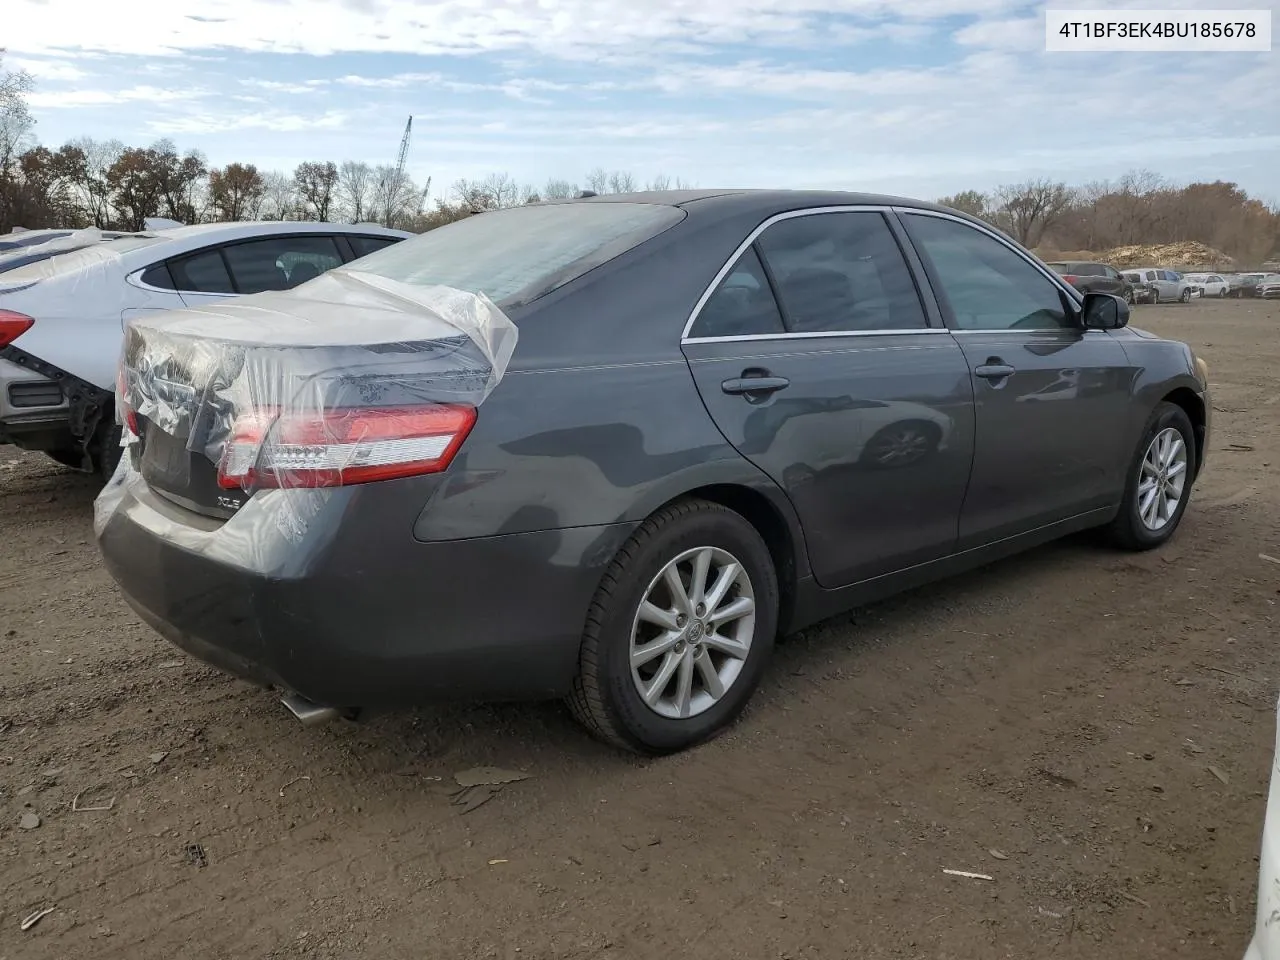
x=107 y=457
x=1143 y=523
x=686 y=708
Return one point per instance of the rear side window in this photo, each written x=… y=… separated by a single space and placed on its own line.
x=158 y=276
x=363 y=246
x=203 y=272
x=515 y=255
x=840 y=272
x=742 y=305
x=279 y=263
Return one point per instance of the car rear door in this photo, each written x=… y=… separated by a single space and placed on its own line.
x=243 y=267
x=818 y=360
x=1111 y=282
x=1051 y=398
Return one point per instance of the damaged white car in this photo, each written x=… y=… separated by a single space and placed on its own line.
x=62 y=317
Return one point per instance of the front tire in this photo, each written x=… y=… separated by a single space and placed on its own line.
x=679 y=632
x=1186 y=295
x=1159 y=485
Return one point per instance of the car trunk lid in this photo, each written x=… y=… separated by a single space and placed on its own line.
x=347 y=378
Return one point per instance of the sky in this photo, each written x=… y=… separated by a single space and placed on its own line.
x=913 y=97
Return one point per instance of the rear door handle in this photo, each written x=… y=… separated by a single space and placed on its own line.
x=755 y=385
x=994 y=371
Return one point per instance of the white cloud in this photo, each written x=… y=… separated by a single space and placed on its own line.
x=188 y=123
x=65 y=99
x=41 y=69
x=1020 y=34
x=566 y=27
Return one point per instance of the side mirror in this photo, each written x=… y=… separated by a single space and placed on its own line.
x=1104 y=312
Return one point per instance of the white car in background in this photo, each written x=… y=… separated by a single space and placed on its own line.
x=62 y=318
x=1209 y=284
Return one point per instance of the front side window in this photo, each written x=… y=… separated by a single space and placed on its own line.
x=518 y=254
x=841 y=272
x=280 y=263
x=984 y=283
x=742 y=305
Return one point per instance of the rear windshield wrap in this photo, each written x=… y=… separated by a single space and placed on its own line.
x=518 y=254
x=73 y=260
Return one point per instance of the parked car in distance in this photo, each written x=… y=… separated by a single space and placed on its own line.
x=1143 y=292
x=1246 y=285
x=17 y=239
x=728 y=414
x=61 y=315
x=1208 y=284
x=50 y=243
x=1094 y=278
x=1162 y=285
x=1268 y=288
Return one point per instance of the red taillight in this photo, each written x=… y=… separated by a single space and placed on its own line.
x=122 y=404
x=1070 y=278
x=342 y=446
x=13 y=325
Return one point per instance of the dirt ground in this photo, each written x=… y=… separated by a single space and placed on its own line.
x=1051 y=721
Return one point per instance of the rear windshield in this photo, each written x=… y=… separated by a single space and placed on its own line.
x=518 y=254
x=73 y=260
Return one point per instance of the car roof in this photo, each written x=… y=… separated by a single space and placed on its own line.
x=762 y=200
x=256 y=228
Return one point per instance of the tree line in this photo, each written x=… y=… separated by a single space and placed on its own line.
x=1139 y=208
x=110 y=185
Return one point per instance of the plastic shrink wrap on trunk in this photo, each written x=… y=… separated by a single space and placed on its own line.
x=251 y=411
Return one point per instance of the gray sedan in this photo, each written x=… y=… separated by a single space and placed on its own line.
x=729 y=415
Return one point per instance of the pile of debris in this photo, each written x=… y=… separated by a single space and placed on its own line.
x=1186 y=255
x=1189 y=255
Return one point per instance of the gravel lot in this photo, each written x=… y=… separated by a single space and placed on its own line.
x=1050 y=721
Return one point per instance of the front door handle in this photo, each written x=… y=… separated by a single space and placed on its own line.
x=994 y=371
x=755 y=384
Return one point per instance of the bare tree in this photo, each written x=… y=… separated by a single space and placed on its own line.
x=1027 y=210
x=355 y=190
x=280 y=197
x=621 y=182
x=16 y=123
x=598 y=180
x=560 y=190
x=394 y=196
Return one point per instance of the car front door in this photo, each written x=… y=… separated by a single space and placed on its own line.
x=1051 y=398
x=815 y=356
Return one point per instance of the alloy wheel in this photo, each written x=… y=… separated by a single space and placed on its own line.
x=692 y=633
x=1162 y=479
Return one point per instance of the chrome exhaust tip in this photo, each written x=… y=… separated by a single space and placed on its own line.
x=309 y=714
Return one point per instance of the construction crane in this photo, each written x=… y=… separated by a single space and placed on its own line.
x=404 y=151
x=391 y=191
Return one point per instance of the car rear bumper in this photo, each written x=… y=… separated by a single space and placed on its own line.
x=391 y=622
x=31 y=406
